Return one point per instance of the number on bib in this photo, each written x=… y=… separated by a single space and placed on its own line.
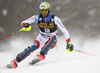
x=47 y=30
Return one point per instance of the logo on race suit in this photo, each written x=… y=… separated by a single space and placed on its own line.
x=45 y=25
x=43 y=6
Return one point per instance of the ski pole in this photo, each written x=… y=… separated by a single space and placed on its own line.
x=22 y=29
x=11 y=34
x=84 y=52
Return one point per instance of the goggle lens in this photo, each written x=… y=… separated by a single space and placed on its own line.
x=44 y=10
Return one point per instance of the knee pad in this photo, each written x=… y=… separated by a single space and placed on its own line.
x=17 y=59
x=49 y=45
x=52 y=40
x=54 y=44
x=21 y=56
x=53 y=37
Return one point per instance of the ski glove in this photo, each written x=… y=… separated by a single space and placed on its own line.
x=69 y=47
x=26 y=25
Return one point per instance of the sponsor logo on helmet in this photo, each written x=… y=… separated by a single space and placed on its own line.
x=43 y=6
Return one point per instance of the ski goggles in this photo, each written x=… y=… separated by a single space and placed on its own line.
x=44 y=10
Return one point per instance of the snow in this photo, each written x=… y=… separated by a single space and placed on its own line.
x=4 y=12
x=58 y=59
x=1 y=30
x=92 y=12
x=58 y=8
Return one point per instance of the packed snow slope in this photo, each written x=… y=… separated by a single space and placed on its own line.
x=57 y=60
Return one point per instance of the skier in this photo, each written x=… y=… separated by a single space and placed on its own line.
x=47 y=37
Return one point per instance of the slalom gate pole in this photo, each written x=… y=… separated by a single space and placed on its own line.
x=84 y=52
x=11 y=34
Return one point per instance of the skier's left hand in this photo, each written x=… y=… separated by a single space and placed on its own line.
x=69 y=47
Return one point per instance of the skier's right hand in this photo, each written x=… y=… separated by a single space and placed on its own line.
x=26 y=26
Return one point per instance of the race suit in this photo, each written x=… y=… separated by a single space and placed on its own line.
x=47 y=37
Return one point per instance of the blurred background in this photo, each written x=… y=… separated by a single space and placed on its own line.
x=80 y=17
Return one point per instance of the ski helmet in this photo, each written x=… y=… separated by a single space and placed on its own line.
x=44 y=7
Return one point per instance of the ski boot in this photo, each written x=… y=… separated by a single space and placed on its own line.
x=37 y=59
x=13 y=64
